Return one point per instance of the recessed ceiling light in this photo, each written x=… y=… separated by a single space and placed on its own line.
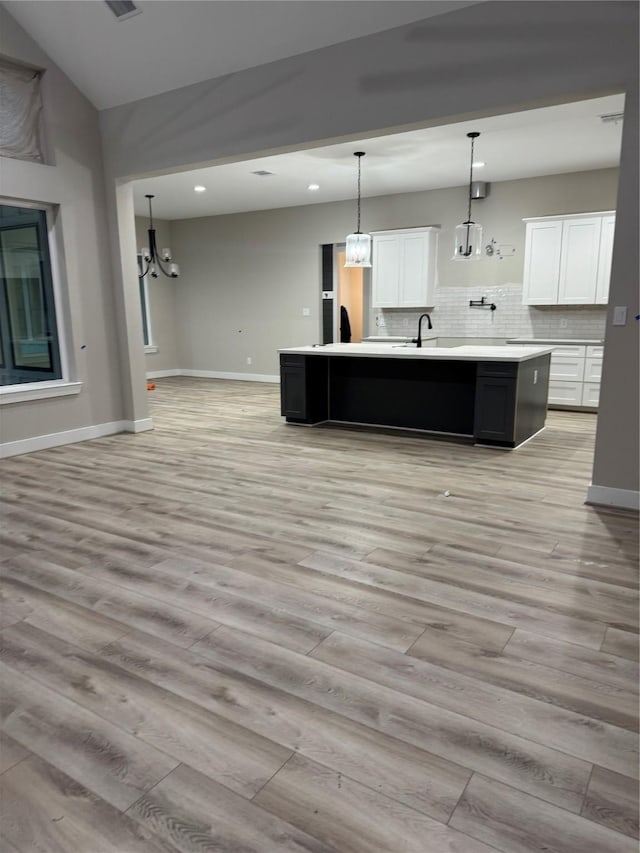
x=199 y=188
x=478 y=165
x=313 y=187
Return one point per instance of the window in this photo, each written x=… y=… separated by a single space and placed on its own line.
x=20 y=107
x=29 y=349
x=144 y=305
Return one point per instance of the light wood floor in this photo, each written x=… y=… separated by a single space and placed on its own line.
x=230 y=634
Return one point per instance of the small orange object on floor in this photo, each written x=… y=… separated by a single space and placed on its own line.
x=151 y=386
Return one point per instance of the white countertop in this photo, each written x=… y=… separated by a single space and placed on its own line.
x=558 y=341
x=516 y=353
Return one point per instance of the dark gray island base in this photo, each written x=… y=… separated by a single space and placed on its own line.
x=498 y=403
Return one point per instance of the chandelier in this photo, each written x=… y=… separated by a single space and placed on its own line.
x=155 y=260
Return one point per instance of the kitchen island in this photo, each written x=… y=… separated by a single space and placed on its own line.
x=495 y=395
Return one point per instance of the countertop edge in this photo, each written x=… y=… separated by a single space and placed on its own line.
x=471 y=353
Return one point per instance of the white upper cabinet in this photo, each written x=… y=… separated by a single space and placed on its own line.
x=568 y=260
x=579 y=261
x=404 y=268
x=604 y=261
x=542 y=262
x=385 y=275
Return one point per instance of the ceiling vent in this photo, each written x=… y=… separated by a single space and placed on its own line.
x=262 y=173
x=123 y=9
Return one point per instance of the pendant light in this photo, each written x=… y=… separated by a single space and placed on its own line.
x=358 y=249
x=153 y=258
x=468 y=236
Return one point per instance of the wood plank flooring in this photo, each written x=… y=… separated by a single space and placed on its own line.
x=236 y=635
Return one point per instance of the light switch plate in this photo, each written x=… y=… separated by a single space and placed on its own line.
x=620 y=315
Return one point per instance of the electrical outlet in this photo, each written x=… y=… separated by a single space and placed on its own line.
x=563 y=323
x=249 y=360
x=405 y=323
x=306 y=312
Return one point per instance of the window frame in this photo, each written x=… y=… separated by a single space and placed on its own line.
x=65 y=385
x=145 y=308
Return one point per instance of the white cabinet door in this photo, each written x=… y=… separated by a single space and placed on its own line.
x=592 y=369
x=590 y=394
x=385 y=275
x=579 y=261
x=567 y=369
x=604 y=260
x=565 y=393
x=417 y=270
x=567 y=260
x=404 y=268
x=542 y=262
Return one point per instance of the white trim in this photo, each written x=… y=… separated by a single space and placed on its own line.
x=72 y=436
x=557 y=216
x=242 y=377
x=143 y=425
x=159 y=374
x=56 y=439
x=38 y=391
x=607 y=496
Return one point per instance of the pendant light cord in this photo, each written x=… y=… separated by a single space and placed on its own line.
x=470 y=179
x=359 y=155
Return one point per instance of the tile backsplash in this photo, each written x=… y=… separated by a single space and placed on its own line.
x=452 y=316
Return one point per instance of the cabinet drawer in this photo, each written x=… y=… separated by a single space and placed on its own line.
x=565 y=393
x=566 y=369
x=592 y=369
x=591 y=394
x=595 y=352
x=568 y=351
x=497 y=368
x=297 y=360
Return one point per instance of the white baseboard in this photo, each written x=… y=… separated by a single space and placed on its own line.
x=142 y=425
x=240 y=377
x=72 y=436
x=56 y=439
x=619 y=498
x=160 y=374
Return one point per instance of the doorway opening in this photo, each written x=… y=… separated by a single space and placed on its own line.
x=345 y=296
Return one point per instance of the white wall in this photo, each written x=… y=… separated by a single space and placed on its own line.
x=73 y=180
x=247 y=277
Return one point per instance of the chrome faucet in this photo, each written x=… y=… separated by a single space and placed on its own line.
x=418 y=341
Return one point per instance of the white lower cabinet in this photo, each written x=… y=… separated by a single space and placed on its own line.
x=574 y=374
x=592 y=369
x=574 y=378
x=565 y=393
x=567 y=369
x=590 y=394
